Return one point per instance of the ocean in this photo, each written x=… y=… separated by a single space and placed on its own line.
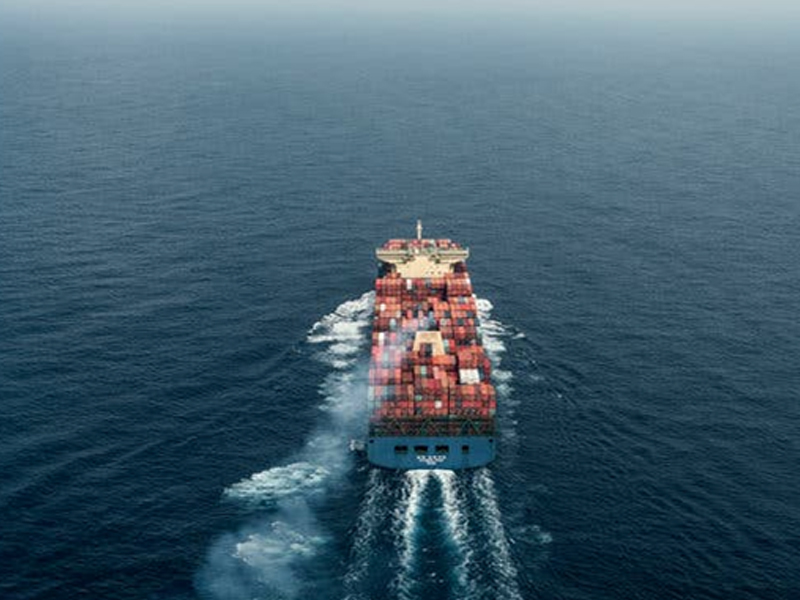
x=188 y=215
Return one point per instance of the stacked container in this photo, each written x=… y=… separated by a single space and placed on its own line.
x=410 y=387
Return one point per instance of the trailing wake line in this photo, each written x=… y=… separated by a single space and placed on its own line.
x=371 y=515
x=499 y=547
x=406 y=524
x=458 y=528
x=285 y=538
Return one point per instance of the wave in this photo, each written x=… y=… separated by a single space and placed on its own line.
x=408 y=526
x=372 y=514
x=494 y=334
x=267 y=557
x=278 y=483
x=325 y=454
x=405 y=528
x=343 y=331
x=458 y=525
x=499 y=548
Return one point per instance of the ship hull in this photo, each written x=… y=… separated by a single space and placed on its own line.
x=417 y=452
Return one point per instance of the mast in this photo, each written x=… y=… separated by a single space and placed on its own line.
x=419 y=229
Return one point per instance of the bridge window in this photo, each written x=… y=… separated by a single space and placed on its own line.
x=442 y=449
x=401 y=449
x=465 y=449
x=421 y=449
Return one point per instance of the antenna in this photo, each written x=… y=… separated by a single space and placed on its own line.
x=419 y=229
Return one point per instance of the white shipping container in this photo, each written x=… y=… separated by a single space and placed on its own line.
x=469 y=376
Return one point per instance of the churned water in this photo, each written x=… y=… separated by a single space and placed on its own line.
x=187 y=219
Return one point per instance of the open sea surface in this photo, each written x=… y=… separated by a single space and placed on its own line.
x=187 y=223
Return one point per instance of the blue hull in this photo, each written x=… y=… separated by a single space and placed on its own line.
x=406 y=452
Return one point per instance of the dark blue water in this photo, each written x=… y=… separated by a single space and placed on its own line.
x=187 y=219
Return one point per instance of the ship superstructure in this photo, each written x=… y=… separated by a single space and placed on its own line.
x=431 y=401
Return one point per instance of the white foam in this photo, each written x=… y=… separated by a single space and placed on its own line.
x=342 y=349
x=269 y=556
x=534 y=533
x=343 y=331
x=267 y=487
x=457 y=523
x=502 y=375
x=484 y=305
x=406 y=516
x=282 y=545
x=493 y=334
x=499 y=548
x=370 y=517
x=344 y=324
x=492 y=330
x=264 y=557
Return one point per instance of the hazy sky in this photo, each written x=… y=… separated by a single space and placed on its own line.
x=688 y=7
x=748 y=15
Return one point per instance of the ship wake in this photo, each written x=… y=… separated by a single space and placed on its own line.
x=276 y=553
x=441 y=534
x=418 y=534
x=431 y=534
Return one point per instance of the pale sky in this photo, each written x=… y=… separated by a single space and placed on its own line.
x=720 y=7
x=711 y=13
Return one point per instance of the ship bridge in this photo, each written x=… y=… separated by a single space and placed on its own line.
x=422 y=258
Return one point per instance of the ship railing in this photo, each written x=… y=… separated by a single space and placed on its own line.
x=432 y=427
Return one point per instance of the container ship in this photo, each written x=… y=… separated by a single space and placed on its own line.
x=431 y=401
